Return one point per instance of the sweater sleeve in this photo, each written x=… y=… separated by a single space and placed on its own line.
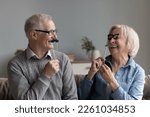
x=20 y=87
x=69 y=90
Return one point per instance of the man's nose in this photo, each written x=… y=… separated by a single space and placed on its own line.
x=53 y=35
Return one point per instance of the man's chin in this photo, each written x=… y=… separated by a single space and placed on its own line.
x=51 y=46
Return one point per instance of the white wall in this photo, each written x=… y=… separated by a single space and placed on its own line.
x=74 y=19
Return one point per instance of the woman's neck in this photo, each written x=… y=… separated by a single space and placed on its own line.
x=118 y=62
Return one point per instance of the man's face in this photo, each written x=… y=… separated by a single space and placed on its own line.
x=46 y=35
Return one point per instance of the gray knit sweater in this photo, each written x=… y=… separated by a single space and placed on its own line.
x=27 y=81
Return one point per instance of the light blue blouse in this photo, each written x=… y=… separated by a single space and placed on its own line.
x=131 y=79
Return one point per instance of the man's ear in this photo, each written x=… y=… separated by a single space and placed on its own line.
x=33 y=35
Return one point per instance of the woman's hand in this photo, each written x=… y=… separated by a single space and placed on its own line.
x=96 y=64
x=108 y=76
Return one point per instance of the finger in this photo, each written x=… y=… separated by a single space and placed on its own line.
x=57 y=68
x=97 y=65
x=101 y=70
x=99 y=58
x=105 y=68
x=94 y=62
x=56 y=60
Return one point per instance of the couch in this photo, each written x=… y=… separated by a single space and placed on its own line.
x=146 y=92
x=6 y=95
x=4 y=89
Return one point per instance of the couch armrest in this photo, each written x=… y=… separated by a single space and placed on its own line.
x=146 y=92
x=4 y=89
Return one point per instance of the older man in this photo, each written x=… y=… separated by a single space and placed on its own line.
x=40 y=72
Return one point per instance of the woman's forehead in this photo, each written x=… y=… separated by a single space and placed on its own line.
x=116 y=30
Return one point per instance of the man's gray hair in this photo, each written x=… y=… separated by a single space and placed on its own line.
x=34 y=22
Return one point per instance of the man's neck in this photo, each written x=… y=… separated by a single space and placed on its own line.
x=39 y=52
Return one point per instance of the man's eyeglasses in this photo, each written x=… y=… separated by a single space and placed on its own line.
x=48 y=32
x=114 y=36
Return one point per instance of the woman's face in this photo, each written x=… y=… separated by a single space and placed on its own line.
x=117 y=43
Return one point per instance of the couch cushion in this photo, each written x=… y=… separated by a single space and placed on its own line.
x=78 y=78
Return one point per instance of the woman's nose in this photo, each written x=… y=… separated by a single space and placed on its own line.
x=111 y=40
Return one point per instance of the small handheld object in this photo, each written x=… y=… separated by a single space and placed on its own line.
x=106 y=62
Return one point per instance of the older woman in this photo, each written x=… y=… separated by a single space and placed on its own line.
x=125 y=79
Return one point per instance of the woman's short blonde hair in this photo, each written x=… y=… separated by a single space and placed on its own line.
x=131 y=36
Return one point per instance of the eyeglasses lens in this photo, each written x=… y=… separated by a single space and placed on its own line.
x=114 y=36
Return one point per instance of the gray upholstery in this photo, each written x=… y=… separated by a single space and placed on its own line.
x=4 y=89
x=146 y=95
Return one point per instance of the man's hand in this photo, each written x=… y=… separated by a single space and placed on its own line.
x=51 y=68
